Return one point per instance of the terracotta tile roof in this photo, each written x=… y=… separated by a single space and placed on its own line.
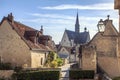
x=29 y=35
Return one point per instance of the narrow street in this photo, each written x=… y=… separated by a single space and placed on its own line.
x=65 y=71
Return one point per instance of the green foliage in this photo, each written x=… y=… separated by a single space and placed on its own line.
x=5 y=66
x=38 y=75
x=116 y=78
x=81 y=74
x=2 y=79
x=59 y=61
x=53 y=60
x=17 y=69
x=54 y=64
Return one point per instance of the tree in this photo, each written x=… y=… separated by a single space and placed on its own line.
x=53 y=60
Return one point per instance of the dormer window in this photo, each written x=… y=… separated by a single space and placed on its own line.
x=44 y=39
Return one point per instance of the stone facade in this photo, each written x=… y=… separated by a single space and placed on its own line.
x=12 y=48
x=107 y=53
x=88 y=58
x=38 y=58
x=23 y=46
x=65 y=41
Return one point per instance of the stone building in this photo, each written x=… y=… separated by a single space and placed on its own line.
x=22 y=45
x=71 y=40
x=87 y=57
x=102 y=50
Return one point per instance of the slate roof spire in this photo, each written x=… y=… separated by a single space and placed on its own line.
x=77 y=24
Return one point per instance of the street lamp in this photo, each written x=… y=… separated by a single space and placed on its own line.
x=101 y=26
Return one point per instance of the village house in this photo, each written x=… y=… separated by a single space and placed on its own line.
x=22 y=45
x=103 y=50
x=102 y=53
x=71 y=40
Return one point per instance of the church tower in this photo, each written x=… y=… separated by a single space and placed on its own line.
x=77 y=24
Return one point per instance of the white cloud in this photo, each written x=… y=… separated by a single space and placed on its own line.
x=51 y=16
x=55 y=24
x=100 y=6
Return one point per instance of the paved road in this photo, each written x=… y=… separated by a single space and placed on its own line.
x=65 y=72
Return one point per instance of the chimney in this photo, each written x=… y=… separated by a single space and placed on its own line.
x=41 y=30
x=11 y=18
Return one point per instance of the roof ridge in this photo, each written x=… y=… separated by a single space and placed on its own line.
x=70 y=30
x=25 y=25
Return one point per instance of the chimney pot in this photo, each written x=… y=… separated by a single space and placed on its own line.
x=11 y=18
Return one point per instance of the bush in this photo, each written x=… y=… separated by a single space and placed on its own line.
x=54 y=64
x=38 y=75
x=2 y=79
x=59 y=61
x=81 y=74
x=53 y=60
x=5 y=66
x=116 y=78
x=17 y=69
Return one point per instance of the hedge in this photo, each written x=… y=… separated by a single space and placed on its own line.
x=81 y=74
x=117 y=78
x=2 y=79
x=5 y=66
x=38 y=75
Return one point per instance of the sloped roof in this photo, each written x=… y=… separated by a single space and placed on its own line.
x=27 y=33
x=67 y=48
x=63 y=55
x=109 y=28
x=79 y=38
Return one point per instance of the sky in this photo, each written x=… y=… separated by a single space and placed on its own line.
x=57 y=15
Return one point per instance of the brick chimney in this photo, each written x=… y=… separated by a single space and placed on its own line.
x=10 y=18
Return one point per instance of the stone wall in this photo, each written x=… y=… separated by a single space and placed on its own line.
x=107 y=50
x=38 y=58
x=106 y=46
x=107 y=54
x=88 y=58
x=12 y=48
x=110 y=66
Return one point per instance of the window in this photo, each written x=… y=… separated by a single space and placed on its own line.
x=41 y=61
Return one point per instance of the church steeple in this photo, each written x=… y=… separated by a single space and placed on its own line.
x=77 y=24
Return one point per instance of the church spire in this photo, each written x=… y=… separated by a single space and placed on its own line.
x=77 y=24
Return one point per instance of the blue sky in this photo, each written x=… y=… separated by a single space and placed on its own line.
x=58 y=15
